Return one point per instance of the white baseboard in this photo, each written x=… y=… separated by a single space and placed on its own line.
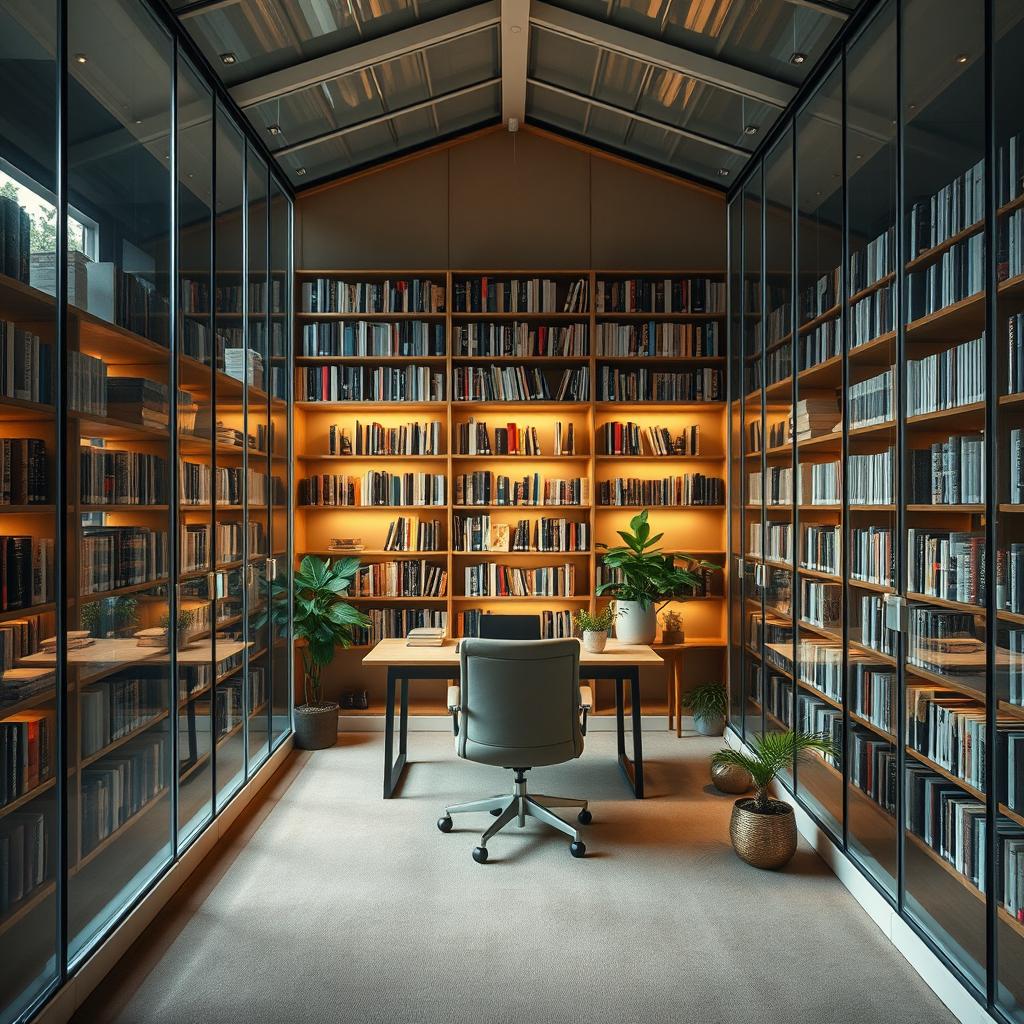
x=936 y=975
x=443 y=723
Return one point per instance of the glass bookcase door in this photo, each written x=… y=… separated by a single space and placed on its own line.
x=818 y=436
x=753 y=463
x=944 y=420
x=737 y=483
x=255 y=371
x=1008 y=33
x=196 y=525
x=872 y=176
x=281 y=658
x=29 y=705
x=118 y=453
x=234 y=538
x=779 y=549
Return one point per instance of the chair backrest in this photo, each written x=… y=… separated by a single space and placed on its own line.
x=510 y=627
x=520 y=702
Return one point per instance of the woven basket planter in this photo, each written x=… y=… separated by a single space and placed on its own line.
x=316 y=726
x=731 y=778
x=763 y=840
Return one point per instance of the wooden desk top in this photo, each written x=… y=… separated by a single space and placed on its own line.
x=396 y=652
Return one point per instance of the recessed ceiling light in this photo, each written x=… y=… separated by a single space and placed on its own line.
x=798 y=58
x=515 y=29
x=138 y=120
x=300 y=171
x=860 y=156
x=81 y=58
x=750 y=129
x=274 y=129
x=723 y=172
x=228 y=58
x=961 y=58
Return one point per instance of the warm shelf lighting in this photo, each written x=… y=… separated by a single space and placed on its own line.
x=798 y=58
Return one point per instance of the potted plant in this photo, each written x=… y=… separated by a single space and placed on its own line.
x=645 y=577
x=672 y=627
x=763 y=830
x=321 y=621
x=595 y=629
x=708 y=704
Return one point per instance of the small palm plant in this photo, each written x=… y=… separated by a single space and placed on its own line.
x=773 y=753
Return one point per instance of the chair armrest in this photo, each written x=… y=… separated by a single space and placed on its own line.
x=454 y=698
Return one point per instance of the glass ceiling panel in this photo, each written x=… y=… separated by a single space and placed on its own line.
x=266 y=35
x=759 y=36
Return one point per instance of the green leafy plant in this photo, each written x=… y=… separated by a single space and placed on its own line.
x=672 y=621
x=109 y=616
x=321 y=619
x=773 y=753
x=185 y=620
x=706 y=701
x=645 y=574
x=599 y=623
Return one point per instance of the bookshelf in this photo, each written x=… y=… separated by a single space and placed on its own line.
x=875 y=418
x=487 y=359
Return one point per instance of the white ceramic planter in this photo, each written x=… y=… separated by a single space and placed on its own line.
x=595 y=642
x=635 y=624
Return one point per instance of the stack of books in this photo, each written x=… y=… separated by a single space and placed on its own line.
x=425 y=636
x=814 y=417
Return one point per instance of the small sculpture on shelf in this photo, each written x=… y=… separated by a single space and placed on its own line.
x=672 y=627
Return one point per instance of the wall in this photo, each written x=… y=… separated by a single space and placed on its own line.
x=500 y=201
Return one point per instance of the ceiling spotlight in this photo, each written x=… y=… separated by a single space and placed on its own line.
x=274 y=129
x=300 y=171
x=228 y=58
x=860 y=156
x=723 y=172
x=515 y=29
x=750 y=129
x=961 y=58
x=81 y=58
x=798 y=58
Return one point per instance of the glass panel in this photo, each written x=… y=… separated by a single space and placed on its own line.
x=777 y=333
x=1008 y=26
x=232 y=534
x=118 y=464
x=818 y=433
x=196 y=458
x=28 y=327
x=255 y=371
x=280 y=467
x=944 y=133
x=737 y=543
x=872 y=175
x=758 y=632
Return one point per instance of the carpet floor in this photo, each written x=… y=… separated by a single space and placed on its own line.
x=337 y=906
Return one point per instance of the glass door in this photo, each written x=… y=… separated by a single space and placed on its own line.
x=737 y=479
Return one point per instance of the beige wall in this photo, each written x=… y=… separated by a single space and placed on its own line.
x=501 y=201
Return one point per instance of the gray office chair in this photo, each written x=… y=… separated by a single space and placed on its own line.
x=519 y=707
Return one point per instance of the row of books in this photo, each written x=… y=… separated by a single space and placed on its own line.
x=1013 y=244
x=518 y=384
x=946 y=564
x=643 y=385
x=18 y=639
x=15 y=240
x=26 y=753
x=374 y=488
x=778 y=365
x=874 y=768
x=778 y=699
x=873 y=695
x=959 y=273
x=334 y=295
x=815 y=716
x=947 y=379
x=660 y=295
x=485 y=294
x=197 y=538
x=376 y=439
x=408 y=533
x=778 y=325
x=111 y=557
x=26 y=365
x=483 y=488
x=1010 y=578
x=824 y=342
x=872 y=316
x=819 y=296
x=24 y=856
x=26 y=572
x=554 y=625
x=24 y=471
x=491 y=579
x=874 y=631
x=688 y=489
x=617 y=438
x=655 y=339
x=405 y=578
x=819 y=546
x=363 y=338
x=871 y=401
x=954 y=208
x=820 y=664
x=950 y=472
x=369 y=384
x=474 y=438
x=821 y=604
x=111 y=477
x=877 y=259
x=871 y=479
x=519 y=339
x=772 y=488
x=778 y=540
x=398 y=622
x=818 y=483
x=481 y=533
x=872 y=557
x=112 y=708
x=1015 y=352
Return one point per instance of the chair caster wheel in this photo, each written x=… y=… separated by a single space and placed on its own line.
x=445 y=823
x=577 y=849
x=496 y=813
x=584 y=817
x=480 y=854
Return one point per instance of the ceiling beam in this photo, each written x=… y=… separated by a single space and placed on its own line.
x=515 y=45
x=672 y=129
x=829 y=7
x=199 y=7
x=363 y=55
x=712 y=70
x=340 y=133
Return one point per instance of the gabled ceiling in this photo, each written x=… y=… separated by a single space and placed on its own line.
x=689 y=85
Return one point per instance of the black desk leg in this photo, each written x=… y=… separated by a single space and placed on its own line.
x=393 y=769
x=633 y=770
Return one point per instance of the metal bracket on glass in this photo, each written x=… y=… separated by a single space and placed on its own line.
x=895 y=612
x=271 y=569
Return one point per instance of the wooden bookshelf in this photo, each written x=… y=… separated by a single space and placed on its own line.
x=687 y=528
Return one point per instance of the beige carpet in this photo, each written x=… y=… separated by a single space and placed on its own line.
x=342 y=907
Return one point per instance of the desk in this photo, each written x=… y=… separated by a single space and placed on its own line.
x=619 y=662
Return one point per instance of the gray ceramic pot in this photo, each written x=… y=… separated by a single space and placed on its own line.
x=316 y=727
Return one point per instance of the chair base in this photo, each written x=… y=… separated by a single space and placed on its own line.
x=520 y=806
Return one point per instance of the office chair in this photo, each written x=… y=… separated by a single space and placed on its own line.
x=510 y=627
x=518 y=707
